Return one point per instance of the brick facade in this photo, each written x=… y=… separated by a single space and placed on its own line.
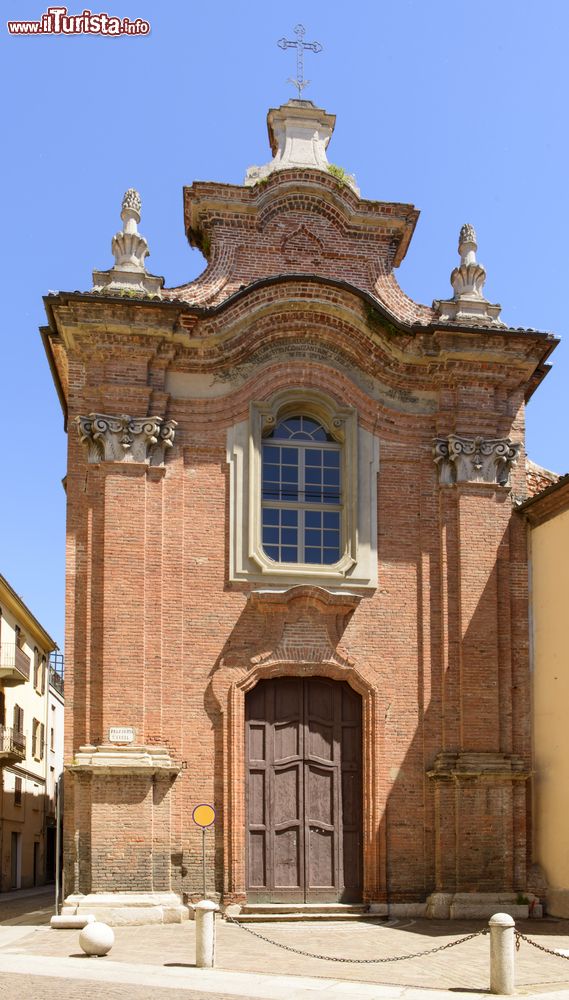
x=299 y=292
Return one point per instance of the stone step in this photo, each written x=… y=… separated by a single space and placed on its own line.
x=304 y=908
x=291 y=912
x=289 y=918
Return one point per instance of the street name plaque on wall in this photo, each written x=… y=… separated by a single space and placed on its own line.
x=121 y=734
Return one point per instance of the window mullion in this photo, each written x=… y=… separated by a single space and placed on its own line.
x=302 y=502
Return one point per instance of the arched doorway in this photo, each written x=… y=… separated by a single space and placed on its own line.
x=303 y=791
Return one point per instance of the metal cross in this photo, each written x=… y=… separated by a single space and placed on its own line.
x=300 y=83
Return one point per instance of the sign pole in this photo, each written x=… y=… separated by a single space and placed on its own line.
x=203 y=860
x=203 y=815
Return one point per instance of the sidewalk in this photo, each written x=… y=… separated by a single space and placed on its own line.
x=162 y=956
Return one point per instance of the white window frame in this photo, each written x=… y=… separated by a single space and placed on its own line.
x=359 y=466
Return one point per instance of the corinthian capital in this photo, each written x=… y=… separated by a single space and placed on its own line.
x=125 y=438
x=474 y=460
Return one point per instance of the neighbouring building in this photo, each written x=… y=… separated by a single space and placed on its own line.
x=296 y=588
x=547 y=515
x=31 y=751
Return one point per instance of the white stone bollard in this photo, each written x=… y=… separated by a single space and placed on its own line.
x=502 y=950
x=205 y=933
x=96 y=938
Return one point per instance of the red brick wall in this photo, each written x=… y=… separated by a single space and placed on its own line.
x=159 y=638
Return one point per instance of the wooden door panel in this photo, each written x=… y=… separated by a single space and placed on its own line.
x=304 y=791
x=322 y=867
x=320 y=793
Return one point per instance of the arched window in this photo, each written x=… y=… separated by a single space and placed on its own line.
x=301 y=495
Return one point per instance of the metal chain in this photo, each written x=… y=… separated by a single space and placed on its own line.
x=540 y=947
x=358 y=961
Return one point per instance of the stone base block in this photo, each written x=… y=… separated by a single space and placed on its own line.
x=557 y=903
x=116 y=908
x=407 y=909
x=475 y=905
x=379 y=909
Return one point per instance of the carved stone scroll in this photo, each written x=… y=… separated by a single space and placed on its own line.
x=125 y=438
x=474 y=460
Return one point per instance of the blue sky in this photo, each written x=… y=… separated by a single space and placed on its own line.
x=460 y=110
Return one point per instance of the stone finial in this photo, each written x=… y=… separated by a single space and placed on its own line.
x=474 y=460
x=467 y=280
x=125 y=438
x=299 y=134
x=130 y=251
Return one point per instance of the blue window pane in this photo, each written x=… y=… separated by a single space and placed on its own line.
x=313 y=518
x=270 y=516
x=289 y=554
x=270 y=536
x=289 y=517
x=290 y=474
x=289 y=456
x=331 y=556
x=315 y=496
x=312 y=537
x=289 y=536
x=331 y=520
x=270 y=472
x=331 y=539
x=272 y=551
x=290 y=493
x=332 y=459
x=313 y=456
x=270 y=454
x=313 y=476
x=313 y=556
x=332 y=477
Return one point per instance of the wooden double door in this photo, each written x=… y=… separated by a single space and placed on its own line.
x=304 y=791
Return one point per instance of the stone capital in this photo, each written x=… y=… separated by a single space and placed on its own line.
x=125 y=438
x=474 y=460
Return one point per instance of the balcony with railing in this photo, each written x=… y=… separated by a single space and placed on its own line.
x=12 y=745
x=14 y=664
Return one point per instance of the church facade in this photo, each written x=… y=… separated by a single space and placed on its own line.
x=296 y=590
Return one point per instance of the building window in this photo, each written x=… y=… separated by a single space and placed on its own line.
x=18 y=719
x=43 y=671
x=51 y=739
x=38 y=735
x=18 y=792
x=19 y=636
x=301 y=493
x=36 y=666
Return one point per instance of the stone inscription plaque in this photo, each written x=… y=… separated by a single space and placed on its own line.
x=121 y=734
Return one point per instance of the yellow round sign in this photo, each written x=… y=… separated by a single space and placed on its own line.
x=203 y=815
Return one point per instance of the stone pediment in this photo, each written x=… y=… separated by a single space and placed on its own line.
x=292 y=221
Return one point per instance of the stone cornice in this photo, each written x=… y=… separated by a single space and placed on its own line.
x=209 y=338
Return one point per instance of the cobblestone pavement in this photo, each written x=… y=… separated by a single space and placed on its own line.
x=464 y=967
x=26 y=908
x=24 y=987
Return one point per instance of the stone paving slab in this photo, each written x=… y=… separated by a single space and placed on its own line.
x=465 y=967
